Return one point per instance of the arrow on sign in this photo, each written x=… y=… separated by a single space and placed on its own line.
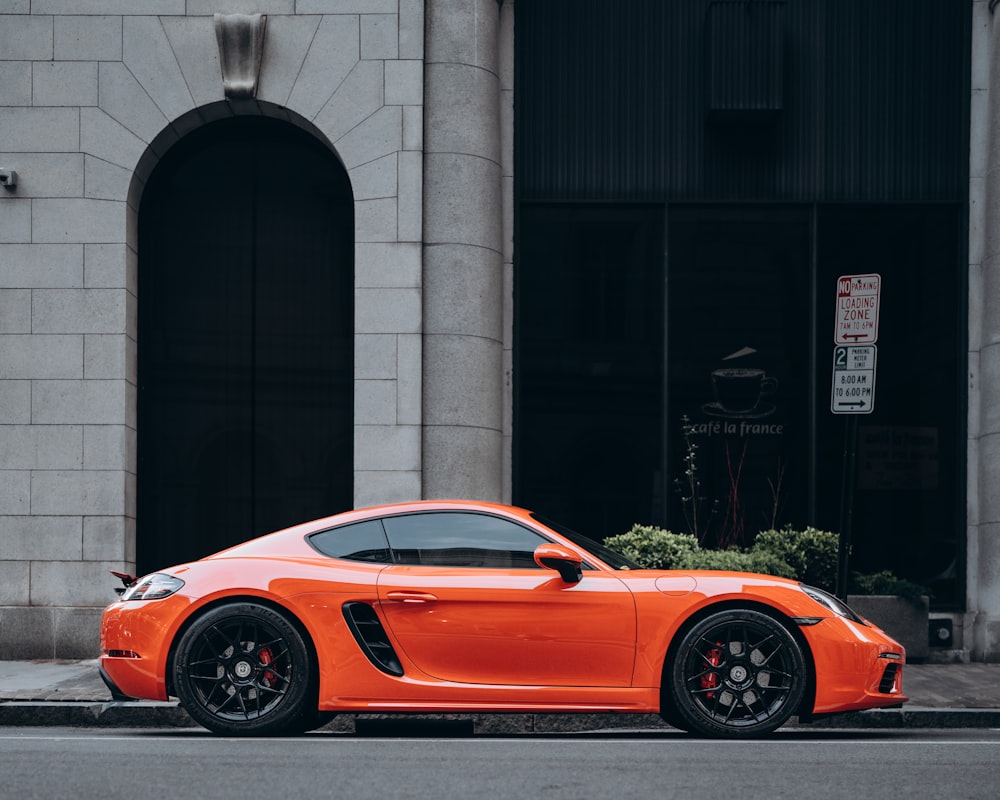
x=853 y=382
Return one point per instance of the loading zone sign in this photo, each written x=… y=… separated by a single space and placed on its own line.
x=857 y=309
x=853 y=379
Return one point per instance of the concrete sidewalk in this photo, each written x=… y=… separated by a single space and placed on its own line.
x=37 y=693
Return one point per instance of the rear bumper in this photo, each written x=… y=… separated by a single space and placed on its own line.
x=131 y=678
x=134 y=646
x=116 y=693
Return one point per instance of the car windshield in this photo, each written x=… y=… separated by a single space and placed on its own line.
x=608 y=556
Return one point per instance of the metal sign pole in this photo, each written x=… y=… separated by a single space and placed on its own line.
x=853 y=389
x=847 y=503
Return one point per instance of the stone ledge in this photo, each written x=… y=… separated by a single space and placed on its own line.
x=46 y=632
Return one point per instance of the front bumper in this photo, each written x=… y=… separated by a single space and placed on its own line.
x=857 y=666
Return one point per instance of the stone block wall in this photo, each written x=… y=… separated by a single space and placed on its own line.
x=91 y=95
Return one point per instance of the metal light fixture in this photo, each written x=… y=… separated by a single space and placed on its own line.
x=8 y=178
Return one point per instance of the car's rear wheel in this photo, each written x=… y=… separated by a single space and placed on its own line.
x=736 y=673
x=243 y=670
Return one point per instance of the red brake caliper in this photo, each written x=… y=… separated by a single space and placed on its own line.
x=710 y=680
x=268 y=678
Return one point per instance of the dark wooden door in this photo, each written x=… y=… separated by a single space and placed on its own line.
x=245 y=400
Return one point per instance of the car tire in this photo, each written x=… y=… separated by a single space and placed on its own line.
x=738 y=673
x=670 y=715
x=243 y=670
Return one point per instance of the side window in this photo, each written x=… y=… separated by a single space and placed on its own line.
x=362 y=541
x=459 y=539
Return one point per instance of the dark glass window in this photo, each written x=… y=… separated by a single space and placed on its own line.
x=678 y=243
x=728 y=430
x=362 y=541
x=908 y=515
x=459 y=539
x=738 y=372
x=589 y=364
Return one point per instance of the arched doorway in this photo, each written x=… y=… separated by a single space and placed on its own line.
x=245 y=351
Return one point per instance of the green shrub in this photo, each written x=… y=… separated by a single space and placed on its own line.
x=809 y=555
x=653 y=548
x=812 y=554
x=885 y=582
x=738 y=561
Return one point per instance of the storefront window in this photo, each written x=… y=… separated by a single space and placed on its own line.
x=738 y=371
x=679 y=374
x=909 y=502
x=589 y=367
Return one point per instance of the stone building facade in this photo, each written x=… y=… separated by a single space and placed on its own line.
x=409 y=95
x=415 y=98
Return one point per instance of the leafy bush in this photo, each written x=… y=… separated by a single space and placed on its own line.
x=654 y=548
x=885 y=582
x=812 y=554
x=809 y=555
x=739 y=561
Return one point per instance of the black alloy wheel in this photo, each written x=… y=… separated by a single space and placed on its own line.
x=736 y=674
x=243 y=670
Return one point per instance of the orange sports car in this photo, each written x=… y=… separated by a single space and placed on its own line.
x=446 y=606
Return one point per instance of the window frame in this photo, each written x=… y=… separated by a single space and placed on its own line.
x=394 y=558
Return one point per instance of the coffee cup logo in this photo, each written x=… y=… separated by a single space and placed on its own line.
x=740 y=390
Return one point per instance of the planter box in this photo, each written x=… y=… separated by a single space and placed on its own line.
x=905 y=620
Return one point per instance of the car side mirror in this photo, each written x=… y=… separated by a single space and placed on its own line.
x=561 y=559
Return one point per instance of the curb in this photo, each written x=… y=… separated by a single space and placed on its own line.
x=86 y=714
x=915 y=717
x=151 y=714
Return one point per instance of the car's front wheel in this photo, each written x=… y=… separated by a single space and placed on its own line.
x=243 y=670
x=736 y=673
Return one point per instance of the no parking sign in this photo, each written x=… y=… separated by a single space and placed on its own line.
x=858 y=299
x=855 y=333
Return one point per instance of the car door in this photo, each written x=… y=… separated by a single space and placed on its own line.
x=467 y=603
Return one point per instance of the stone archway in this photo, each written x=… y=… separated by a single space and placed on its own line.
x=245 y=338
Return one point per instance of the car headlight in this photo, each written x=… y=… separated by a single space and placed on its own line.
x=831 y=603
x=153 y=587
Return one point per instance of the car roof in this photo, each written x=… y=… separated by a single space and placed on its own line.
x=287 y=540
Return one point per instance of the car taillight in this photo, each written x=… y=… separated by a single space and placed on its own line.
x=153 y=587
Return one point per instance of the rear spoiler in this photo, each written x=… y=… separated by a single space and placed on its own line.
x=126 y=579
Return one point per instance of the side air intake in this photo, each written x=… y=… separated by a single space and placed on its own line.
x=372 y=638
x=888 y=682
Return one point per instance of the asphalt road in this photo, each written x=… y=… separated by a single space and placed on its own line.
x=109 y=764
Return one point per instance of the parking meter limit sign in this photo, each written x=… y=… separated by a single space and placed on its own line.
x=853 y=379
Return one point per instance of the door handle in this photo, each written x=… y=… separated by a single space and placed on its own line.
x=411 y=597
